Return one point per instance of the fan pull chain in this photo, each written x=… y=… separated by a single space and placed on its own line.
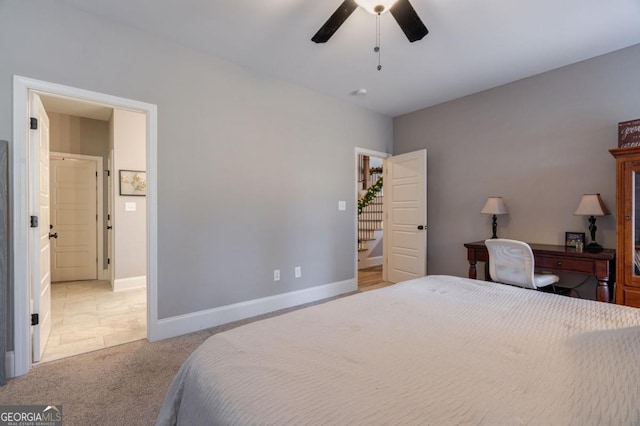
x=377 y=48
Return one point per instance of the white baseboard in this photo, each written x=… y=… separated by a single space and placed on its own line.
x=188 y=323
x=370 y=262
x=131 y=283
x=9 y=368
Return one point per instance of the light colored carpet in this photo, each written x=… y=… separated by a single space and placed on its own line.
x=121 y=385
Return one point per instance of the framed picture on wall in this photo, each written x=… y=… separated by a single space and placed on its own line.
x=133 y=183
x=574 y=239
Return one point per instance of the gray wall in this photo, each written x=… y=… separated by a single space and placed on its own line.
x=540 y=143
x=250 y=169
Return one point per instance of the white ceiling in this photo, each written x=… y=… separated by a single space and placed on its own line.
x=473 y=45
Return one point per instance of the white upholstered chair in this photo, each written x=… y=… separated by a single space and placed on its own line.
x=512 y=262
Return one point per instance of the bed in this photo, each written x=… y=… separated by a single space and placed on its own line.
x=438 y=350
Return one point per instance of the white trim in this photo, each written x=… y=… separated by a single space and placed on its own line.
x=109 y=272
x=99 y=206
x=370 y=262
x=370 y=153
x=188 y=323
x=19 y=263
x=122 y=284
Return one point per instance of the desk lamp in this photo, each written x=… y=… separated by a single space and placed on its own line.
x=592 y=205
x=494 y=206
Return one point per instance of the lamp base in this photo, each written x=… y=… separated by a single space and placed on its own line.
x=494 y=226
x=593 y=247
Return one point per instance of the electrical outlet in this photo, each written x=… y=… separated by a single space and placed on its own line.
x=276 y=274
x=298 y=271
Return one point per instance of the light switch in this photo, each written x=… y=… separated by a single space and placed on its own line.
x=130 y=206
x=342 y=205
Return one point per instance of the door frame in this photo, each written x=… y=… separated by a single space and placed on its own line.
x=101 y=273
x=370 y=153
x=21 y=178
x=110 y=271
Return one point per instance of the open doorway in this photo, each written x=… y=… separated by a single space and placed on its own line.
x=403 y=196
x=89 y=309
x=370 y=219
x=31 y=179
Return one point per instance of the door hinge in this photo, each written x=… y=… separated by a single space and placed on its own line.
x=108 y=261
x=33 y=123
x=35 y=319
x=34 y=221
x=108 y=172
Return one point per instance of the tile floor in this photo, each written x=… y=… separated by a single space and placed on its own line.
x=88 y=316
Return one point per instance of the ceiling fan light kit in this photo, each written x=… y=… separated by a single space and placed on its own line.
x=376 y=7
x=401 y=10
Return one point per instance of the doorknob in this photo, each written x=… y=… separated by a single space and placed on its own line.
x=53 y=235
x=420 y=227
x=109 y=227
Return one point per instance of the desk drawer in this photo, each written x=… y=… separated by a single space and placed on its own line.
x=565 y=264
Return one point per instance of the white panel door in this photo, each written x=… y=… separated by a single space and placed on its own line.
x=405 y=207
x=74 y=211
x=39 y=245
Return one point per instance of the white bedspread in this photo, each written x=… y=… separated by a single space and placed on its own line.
x=433 y=351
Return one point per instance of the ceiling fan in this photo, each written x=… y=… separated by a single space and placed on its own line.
x=404 y=14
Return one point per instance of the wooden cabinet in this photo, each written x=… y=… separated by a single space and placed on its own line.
x=628 y=225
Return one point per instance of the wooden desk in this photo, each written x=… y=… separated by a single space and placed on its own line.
x=557 y=258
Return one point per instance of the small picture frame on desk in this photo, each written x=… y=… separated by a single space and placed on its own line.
x=574 y=239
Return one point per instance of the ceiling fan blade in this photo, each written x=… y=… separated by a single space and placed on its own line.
x=408 y=20
x=333 y=23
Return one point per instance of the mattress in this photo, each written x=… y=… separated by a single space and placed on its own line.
x=438 y=350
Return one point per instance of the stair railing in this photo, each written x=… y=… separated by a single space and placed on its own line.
x=372 y=192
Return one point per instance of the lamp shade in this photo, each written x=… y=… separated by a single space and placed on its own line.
x=371 y=5
x=494 y=205
x=591 y=205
